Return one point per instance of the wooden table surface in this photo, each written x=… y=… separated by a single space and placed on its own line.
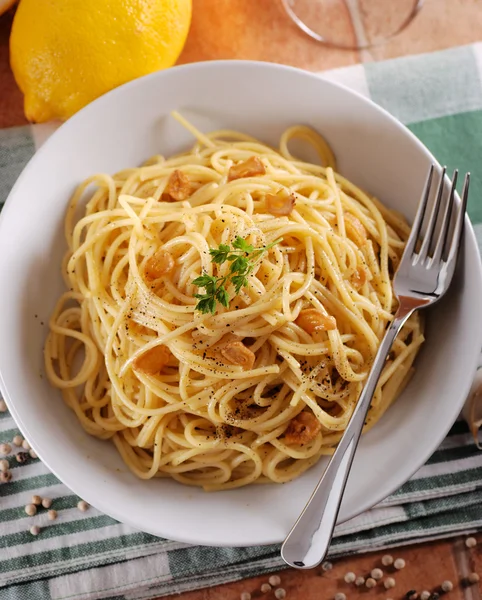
x=260 y=30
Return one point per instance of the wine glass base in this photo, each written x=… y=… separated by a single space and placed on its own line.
x=352 y=24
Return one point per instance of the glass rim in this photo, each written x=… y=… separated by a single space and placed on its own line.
x=417 y=5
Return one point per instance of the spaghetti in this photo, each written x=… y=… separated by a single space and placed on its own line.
x=259 y=390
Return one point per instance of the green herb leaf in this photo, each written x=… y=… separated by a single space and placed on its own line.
x=243 y=258
x=243 y=245
x=222 y=296
x=239 y=281
x=206 y=304
x=220 y=254
x=204 y=280
x=239 y=264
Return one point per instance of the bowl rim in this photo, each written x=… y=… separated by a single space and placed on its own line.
x=69 y=479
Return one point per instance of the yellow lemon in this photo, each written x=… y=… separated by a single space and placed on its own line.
x=65 y=54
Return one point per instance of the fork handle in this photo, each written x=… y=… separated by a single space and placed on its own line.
x=308 y=541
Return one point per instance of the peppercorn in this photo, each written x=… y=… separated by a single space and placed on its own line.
x=22 y=457
x=5 y=449
x=31 y=510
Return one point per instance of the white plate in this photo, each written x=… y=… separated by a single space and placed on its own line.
x=124 y=128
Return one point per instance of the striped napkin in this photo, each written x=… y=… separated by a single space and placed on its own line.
x=87 y=555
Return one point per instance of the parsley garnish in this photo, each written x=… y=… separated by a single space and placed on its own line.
x=243 y=258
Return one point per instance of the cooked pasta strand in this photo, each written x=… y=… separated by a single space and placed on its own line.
x=260 y=390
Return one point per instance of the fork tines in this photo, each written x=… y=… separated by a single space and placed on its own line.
x=430 y=239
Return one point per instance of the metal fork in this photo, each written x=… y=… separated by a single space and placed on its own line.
x=423 y=277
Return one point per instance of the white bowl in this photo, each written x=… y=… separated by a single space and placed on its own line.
x=124 y=128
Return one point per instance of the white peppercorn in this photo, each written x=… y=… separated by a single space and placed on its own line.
x=3 y=406
x=4 y=465
x=32 y=453
x=265 y=588
x=425 y=595
x=274 y=580
x=37 y=500
x=31 y=510
x=26 y=445
x=280 y=593
x=35 y=530
x=350 y=577
x=52 y=515
x=389 y=583
x=46 y=502
x=370 y=583
x=473 y=578
x=340 y=596
x=327 y=566
x=447 y=586
x=245 y=596
x=387 y=560
x=5 y=449
x=82 y=505
x=471 y=542
x=376 y=574
x=399 y=564
x=359 y=581
x=5 y=476
x=17 y=440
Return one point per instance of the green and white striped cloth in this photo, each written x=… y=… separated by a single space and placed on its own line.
x=89 y=555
